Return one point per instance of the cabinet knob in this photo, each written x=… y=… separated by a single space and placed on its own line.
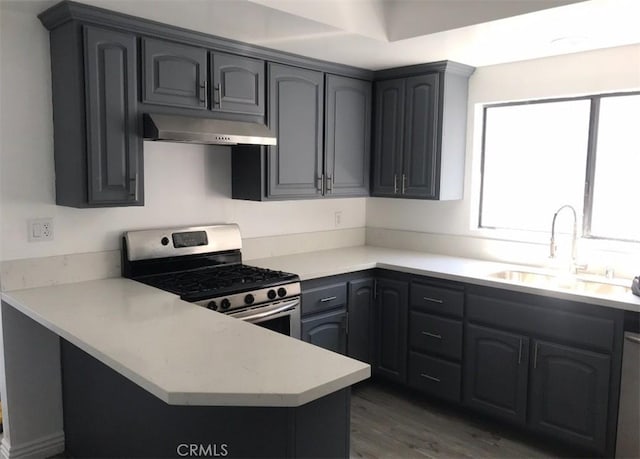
x=395 y=183
x=404 y=183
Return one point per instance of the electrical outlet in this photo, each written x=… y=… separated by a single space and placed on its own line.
x=338 y=218
x=40 y=229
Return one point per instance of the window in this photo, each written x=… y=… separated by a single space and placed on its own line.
x=540 y=155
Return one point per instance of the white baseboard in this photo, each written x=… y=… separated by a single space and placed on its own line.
x=36 y=449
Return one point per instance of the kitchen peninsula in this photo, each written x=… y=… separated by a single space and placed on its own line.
x=144 y=373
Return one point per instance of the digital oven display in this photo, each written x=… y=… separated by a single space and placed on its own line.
x=189 y=239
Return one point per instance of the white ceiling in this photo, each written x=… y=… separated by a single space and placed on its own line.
x=378 y=34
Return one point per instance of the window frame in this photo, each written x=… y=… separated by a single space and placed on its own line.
x=592 y=143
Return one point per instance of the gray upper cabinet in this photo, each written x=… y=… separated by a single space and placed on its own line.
x=97 y=146
x=238 y=84
x=323 y=142
x=112 y=141
x=174 y=74
x=295 y=114
x=419 y=171
x=420 y=131
x=347 y=136
x=388 y=140
x=177 y=75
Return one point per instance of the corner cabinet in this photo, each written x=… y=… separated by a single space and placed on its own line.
x=97 y=142
x=420 y=131
x=390 y=359
x=361 y=316
x=347 y=136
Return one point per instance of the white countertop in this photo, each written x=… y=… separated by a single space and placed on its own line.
x=182 y=353
x=338 y=261
x=187 y=355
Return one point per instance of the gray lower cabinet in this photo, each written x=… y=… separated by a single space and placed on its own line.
x=97 y=143
x=361 y=316
x=550 y=365
x=420 y=131
x=324 y=314
x=238 y=84
x=174 y=74
x=327 y=330
x=347 y=136
x=390 y=360
x=569 y=394
x=546 y=365
x=496 y=372
x=295 y=114
x=435 y=338
x=338 y=314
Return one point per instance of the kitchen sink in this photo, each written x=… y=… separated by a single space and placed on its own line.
x=570 y=282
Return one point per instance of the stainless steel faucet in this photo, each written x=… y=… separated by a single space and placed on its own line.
x=574 y=237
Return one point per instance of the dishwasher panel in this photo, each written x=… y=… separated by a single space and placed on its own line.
x=628 y=441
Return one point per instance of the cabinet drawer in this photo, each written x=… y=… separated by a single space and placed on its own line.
x=565 y=326
x=324 y=298
x=436 y=299
x=435 y=335
x=434 y=376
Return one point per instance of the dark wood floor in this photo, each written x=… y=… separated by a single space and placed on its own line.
x=392 y=422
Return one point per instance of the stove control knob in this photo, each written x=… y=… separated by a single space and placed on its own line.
x=271 y=294
x=282 y=292
x=248 y=299
x=212 y=305
x=224 y=304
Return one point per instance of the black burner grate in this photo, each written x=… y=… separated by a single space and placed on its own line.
x=215 y=281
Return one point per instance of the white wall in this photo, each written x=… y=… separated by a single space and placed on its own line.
x=185 y=184
x=609 y=70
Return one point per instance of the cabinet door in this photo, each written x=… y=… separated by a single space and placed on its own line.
x=495 y=372
x=114 y=163
x=570 y=394
x=327 y=330
x=295 y=115
x=361 y=303
x=420 y=174
x=174 y=74
x=347 y=136
x=391 y=330
x=238 y=84
x=388 y=141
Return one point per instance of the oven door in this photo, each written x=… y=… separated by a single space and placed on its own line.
x=282 y=316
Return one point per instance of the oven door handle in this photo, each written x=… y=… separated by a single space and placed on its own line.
x=248 y=316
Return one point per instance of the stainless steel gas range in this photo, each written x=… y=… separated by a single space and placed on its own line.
x=203 y=265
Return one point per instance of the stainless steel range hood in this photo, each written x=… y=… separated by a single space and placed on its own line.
x=172 y=128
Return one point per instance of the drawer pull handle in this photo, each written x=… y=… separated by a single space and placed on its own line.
x=329 y=298
x=429 y=377
x=433 y=300
x=432 y=335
